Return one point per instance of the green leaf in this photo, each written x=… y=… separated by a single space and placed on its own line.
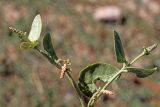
x=120 y=55
x=92 y=73
x=35 y=29
x=141 y=72
x=48 y=47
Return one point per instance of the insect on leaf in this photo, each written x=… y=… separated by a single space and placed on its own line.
x=35 y=29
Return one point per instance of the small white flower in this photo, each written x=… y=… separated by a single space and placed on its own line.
x=35 y=29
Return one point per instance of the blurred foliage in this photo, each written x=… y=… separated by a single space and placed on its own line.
x=27 y=79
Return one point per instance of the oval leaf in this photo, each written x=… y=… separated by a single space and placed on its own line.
x=141 y=72
x=120 y=55
x=92 y=73
x=35 y=29
x=48 y=47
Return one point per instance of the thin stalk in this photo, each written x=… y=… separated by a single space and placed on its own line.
x=137 y=58
x=97 y=94
x=71 y=80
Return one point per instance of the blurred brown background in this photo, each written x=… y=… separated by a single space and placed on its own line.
x=82 y=30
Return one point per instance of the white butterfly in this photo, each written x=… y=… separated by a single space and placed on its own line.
x=35 y=29
x=34 y=34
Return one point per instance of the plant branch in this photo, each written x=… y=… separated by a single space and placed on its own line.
x=73 y=83
x=97 y=94
x=137 y=58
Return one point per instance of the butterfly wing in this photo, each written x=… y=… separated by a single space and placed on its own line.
x=35 y=29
